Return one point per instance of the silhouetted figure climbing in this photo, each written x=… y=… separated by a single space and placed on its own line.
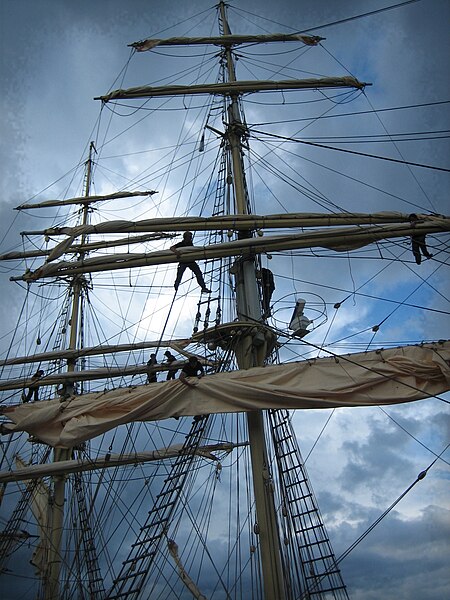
x=33 y=390
x=268 y=287
x=418 y=241
x=170 y=359
x=152 y=376
x=193 y=266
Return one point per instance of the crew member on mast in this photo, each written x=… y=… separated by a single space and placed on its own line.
x=193 y=368
x=193 y=266
x=418 y=241
x=170 y=359
x=34 y=387
x=151 y=375
x=268 y=287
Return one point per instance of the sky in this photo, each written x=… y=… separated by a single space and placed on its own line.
x=57 y=56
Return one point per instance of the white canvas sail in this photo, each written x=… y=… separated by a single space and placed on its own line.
x=374 y=378
x=340 y=240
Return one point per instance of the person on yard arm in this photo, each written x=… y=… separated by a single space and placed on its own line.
x=152 y=375
x=33 y=390
x=193 y=368
x=418 y=242
x=193 y=266
x=170 y=359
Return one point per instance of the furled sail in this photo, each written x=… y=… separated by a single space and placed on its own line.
x=76 y=249
x=233 y=222
x=231 y=88
x=338 y=239
x=374 y=378
x=84 y=199
x=227 y=40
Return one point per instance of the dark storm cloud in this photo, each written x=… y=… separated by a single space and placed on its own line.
x=402 y=559
x=382 y=463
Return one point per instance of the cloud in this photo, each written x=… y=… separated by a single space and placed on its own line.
x=402 y=559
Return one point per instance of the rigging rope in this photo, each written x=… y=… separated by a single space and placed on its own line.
x=420 y=477
x=395 y=160
x=353 y=114
x=412 y=436
x=332 y=23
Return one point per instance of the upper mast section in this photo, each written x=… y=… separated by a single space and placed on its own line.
x=232 y=87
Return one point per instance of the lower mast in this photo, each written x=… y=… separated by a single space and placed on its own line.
x=56 y=504
x=250 y=355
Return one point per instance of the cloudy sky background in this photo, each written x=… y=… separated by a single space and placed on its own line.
x=57 y=56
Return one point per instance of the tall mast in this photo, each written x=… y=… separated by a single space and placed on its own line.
x=248 y=308
x=56 y=520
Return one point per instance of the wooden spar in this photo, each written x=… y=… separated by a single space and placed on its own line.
x=337 y=239
x=90 y=375
x=233 y=88
x=232 y=223
x=66 y=467
x=227 y=40
x=76 y=249
x=84 y=200
x=176 y=345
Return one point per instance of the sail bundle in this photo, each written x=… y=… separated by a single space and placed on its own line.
x=236 y=222
x=232 y=88
x=227 y=40
x=84 y=199
x=374 y=378
x=338 y=239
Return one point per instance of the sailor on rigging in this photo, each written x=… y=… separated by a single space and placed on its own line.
x=193 y=266
x=151 y=376
x=170 y=359
x=418 y=241
x=193 y=368
x=268 y=288
x=34 y=387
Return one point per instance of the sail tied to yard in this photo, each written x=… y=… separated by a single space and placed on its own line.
x=380 y=377
x=338 y=239
x=227 y=40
